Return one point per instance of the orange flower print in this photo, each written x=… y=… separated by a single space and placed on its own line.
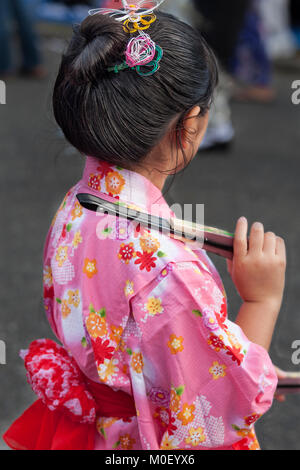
x=122 y=345
x=137 y=362
x=48 y=280
x=249 y=441
x=175 y=344
x=114 y=182
x=174 y=401
x=233 y=340
x=128 y=289
x=74 y=298
x=126 y=252
x=90 y=267
x=116 y=332
x=65 y=309
x=149 y=244
x=104 y=423
x=96 y=325
x=154 y=306
x=254 y=445
x=217 y=370
x=169 y=443
x=94 y=182
x=243 y=432
x=77 y=239
x=186 y=416
x=108 y=369
x=126 y=442
x=61 y=255
x=77 y=211
x=197 y=436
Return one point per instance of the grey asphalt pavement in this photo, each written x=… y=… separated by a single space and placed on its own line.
x=258 y=178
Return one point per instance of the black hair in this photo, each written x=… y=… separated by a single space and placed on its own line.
x=121 y=117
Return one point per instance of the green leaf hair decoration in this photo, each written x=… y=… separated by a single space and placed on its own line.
x=141 y=69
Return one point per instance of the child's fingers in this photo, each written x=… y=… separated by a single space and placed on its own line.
x=280 y=248
x=269 y=243
x=256 y=241
x=240 y=239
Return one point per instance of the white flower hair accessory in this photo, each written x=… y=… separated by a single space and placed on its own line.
x=130 y=10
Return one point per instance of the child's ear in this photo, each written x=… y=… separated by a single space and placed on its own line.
x=191 y=126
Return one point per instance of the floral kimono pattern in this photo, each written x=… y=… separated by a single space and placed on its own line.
x=146 y=314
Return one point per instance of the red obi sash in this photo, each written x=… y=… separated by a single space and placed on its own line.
x=64 y=417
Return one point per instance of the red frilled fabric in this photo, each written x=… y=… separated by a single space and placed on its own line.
x=64 y=417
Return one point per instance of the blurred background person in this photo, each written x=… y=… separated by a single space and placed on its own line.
x=276 y=18
x=19 y=12
x=221 y=23
x=295 y=19
x=251 y=64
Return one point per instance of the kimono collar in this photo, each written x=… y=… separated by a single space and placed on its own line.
x=115 y=183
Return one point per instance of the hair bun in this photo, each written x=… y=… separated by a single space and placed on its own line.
x=102 y=40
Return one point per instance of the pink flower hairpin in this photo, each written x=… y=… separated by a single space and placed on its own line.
x=142 y=54
x=140 y=50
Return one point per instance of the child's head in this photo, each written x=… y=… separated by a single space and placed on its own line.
x=123 y=117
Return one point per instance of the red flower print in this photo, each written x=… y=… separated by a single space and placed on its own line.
x=251 y=419
x=165 y=418
x=48 y=292
x=126 y=252
x=103 y=350
x=235 y=355
x=104 y=168
x=94 y=182
x=64 y=231
x=171 y=428
x=222 y=316
x=216 y=342
x=242 y=445
x=146 y=261
x=127 y=420
x=140 y=231
x=224 y=309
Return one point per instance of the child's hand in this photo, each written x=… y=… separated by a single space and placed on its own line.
x=258 y=271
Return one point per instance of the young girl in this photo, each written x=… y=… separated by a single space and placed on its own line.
x=149 y=357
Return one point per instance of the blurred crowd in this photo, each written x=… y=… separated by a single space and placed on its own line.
x=247 y=36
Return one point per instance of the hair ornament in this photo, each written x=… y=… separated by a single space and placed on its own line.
x=142 y=53
x=145 y=64
x=130 y=10
x=140 y=50
x=139 y=23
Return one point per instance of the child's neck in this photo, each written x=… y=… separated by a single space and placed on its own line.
x=157 y=177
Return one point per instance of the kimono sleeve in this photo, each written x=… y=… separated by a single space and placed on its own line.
x=203 y=382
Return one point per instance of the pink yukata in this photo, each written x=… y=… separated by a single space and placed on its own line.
x=144 y=313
